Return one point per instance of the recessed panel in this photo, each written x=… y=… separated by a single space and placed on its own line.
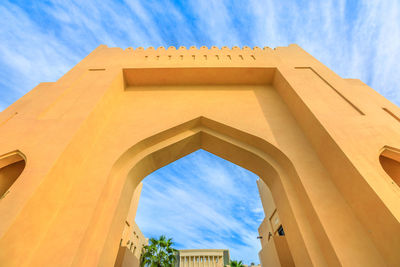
x=139 y=77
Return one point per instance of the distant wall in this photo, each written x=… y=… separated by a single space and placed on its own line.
x=275 y=250
x=132 y=240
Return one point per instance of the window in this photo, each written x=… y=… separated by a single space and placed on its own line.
x=11 y=167
x=280 y=231
x=390 y=162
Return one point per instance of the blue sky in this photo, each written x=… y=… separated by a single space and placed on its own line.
x=203 y=201
x=41 y=40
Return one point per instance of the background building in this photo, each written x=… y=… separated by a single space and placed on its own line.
x=132 y=240
x=203 y=257
x=274 y=247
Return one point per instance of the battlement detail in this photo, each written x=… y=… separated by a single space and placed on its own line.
x=204 y=55
x=202 y=48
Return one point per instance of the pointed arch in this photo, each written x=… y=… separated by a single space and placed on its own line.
x=390 y=162
x=11 y=166
x=243 y=149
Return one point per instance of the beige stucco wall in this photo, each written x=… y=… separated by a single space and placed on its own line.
x=125 y=258
x=274 y=248
x=132 y=240
x=268 y=254
x=131 y=247
x=92 y=136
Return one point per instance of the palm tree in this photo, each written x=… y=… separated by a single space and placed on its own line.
x=236 y=264
x=159 y=253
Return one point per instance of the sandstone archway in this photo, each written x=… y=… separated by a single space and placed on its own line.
x=265 y=160
x=312 y=136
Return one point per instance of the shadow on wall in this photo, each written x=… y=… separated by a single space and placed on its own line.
x=390 y=161
x=11 y=166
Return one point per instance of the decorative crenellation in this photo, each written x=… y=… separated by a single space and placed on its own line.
x=202 y=53
x=202 y=48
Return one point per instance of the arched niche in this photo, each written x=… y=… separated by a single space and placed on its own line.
x=390 y=161
x=11 y=166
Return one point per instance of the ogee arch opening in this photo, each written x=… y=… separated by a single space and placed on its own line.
x=270 y=164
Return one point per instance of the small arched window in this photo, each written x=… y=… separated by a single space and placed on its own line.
x=390 y=161
x=11 y=166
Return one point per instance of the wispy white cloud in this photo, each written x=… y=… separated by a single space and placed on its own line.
x=203 y=201
x=215 y=20
x=357 y=39
x=42 y=40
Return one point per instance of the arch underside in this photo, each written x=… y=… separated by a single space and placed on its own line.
x=245 y=150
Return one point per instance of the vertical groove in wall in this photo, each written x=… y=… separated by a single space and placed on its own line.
x=391 y=114
x=334 y=89
x=9 y=118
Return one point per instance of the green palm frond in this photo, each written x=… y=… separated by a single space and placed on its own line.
x=159 y=253
x=236 y=263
